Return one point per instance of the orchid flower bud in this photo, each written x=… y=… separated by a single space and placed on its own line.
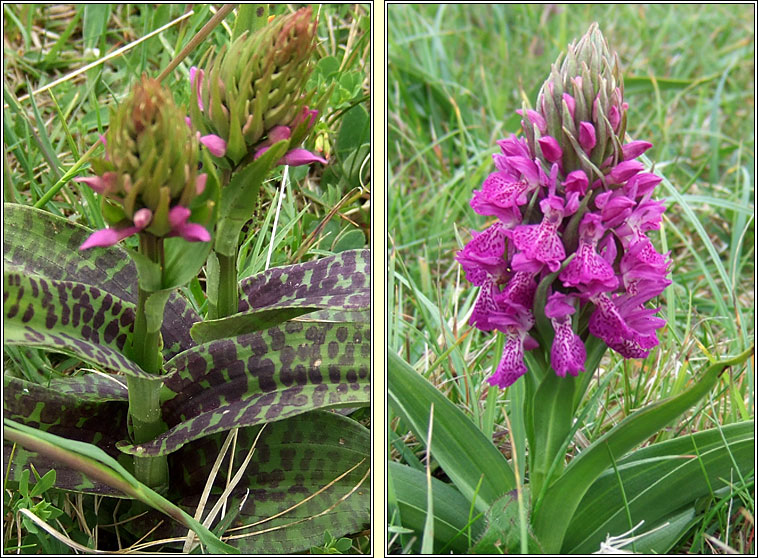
x=247 y=94
x=150 y=167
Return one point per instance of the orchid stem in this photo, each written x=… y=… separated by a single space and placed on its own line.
x=144 y=394
x=228 y=291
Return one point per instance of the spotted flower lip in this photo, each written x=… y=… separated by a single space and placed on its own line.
x=567 y=353
x=572 y=206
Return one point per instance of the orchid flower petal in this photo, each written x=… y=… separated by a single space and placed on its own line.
x=298 y=157
x=214 y=144
x=107 y=237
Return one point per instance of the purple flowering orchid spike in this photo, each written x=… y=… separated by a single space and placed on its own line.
x=573 y=208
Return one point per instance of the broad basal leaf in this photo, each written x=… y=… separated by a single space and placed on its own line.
x=504 y=529
x=68 y=317
x=562 y=498
x=263 y=377
x=37 y=242
x=341 y=282
x=478 y=470
x=312 y=468
x=336 y=288
x=454 y=530
x=100 y=420
x=18 y=459
x=103 y=468
x=88 y=408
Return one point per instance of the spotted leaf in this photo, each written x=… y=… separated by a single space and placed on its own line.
x=339 y=284
x=37 y=242
x=97 y=414
x=263 y=377
x=90 y=408
x=17 y=459
x=333 y=289
x=68 y=317
x=312 y=469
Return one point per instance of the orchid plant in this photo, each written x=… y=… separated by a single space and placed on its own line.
x=263 y=387
x=565 y=271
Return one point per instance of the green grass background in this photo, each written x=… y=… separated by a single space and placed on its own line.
x=456 y=75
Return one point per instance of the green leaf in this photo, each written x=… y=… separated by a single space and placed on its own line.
x=183 y=261
x=327 y=66
x=37 y=242
x=68 y=317
x=239 y=197
x=342 y=280
x=89 y=419
x=66 y=478
x=250 y=17
x=464 y=453
x=352 y=239
x=262 y=377
x=354 y=131
x=89 y=408
x=659 y=481
x=451 y=509
x=335 y=287
x=248 y=322
x=44 y=484
x=100 y=466
x=566 y=492
x=553 y=413
x=503 y=533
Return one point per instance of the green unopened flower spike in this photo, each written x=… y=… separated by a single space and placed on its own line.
x=149 y=176
x=252 y=94
x=580 y=119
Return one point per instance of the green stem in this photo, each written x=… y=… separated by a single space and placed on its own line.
x=228 y=291
x=144 y=394
x=145 y=343
x=147 y=424
x=224 y=271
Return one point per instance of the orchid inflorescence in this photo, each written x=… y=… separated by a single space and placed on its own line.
x=573 y=207
x=149 y=176
x=253 y=94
